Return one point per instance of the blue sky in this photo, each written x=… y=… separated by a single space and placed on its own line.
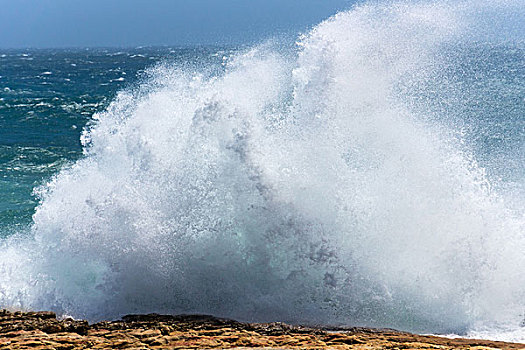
x=82 y=23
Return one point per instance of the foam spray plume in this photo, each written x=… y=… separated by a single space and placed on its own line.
x=307 y=187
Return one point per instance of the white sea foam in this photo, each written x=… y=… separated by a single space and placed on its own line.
x=299 y=187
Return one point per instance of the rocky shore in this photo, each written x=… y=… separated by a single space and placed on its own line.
x=42 y=330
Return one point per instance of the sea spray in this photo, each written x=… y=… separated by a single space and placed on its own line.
x=332 y=185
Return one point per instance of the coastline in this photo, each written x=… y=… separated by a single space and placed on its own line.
x=42 y=330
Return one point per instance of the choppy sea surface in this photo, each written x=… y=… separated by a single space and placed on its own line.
x=47 y=96
x=370 y=173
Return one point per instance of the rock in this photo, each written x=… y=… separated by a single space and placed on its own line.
x=42 y=330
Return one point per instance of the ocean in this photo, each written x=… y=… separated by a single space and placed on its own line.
x=369 y=173
x=47 y=98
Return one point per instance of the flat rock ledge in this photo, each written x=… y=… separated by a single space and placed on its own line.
x=42 y=330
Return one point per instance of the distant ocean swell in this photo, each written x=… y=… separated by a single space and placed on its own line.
x=341 y=183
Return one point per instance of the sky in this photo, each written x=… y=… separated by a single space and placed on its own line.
x=129 y=23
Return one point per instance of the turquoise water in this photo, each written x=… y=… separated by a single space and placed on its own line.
x=46 y=98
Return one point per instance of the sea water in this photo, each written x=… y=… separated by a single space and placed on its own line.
x=370 y=173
